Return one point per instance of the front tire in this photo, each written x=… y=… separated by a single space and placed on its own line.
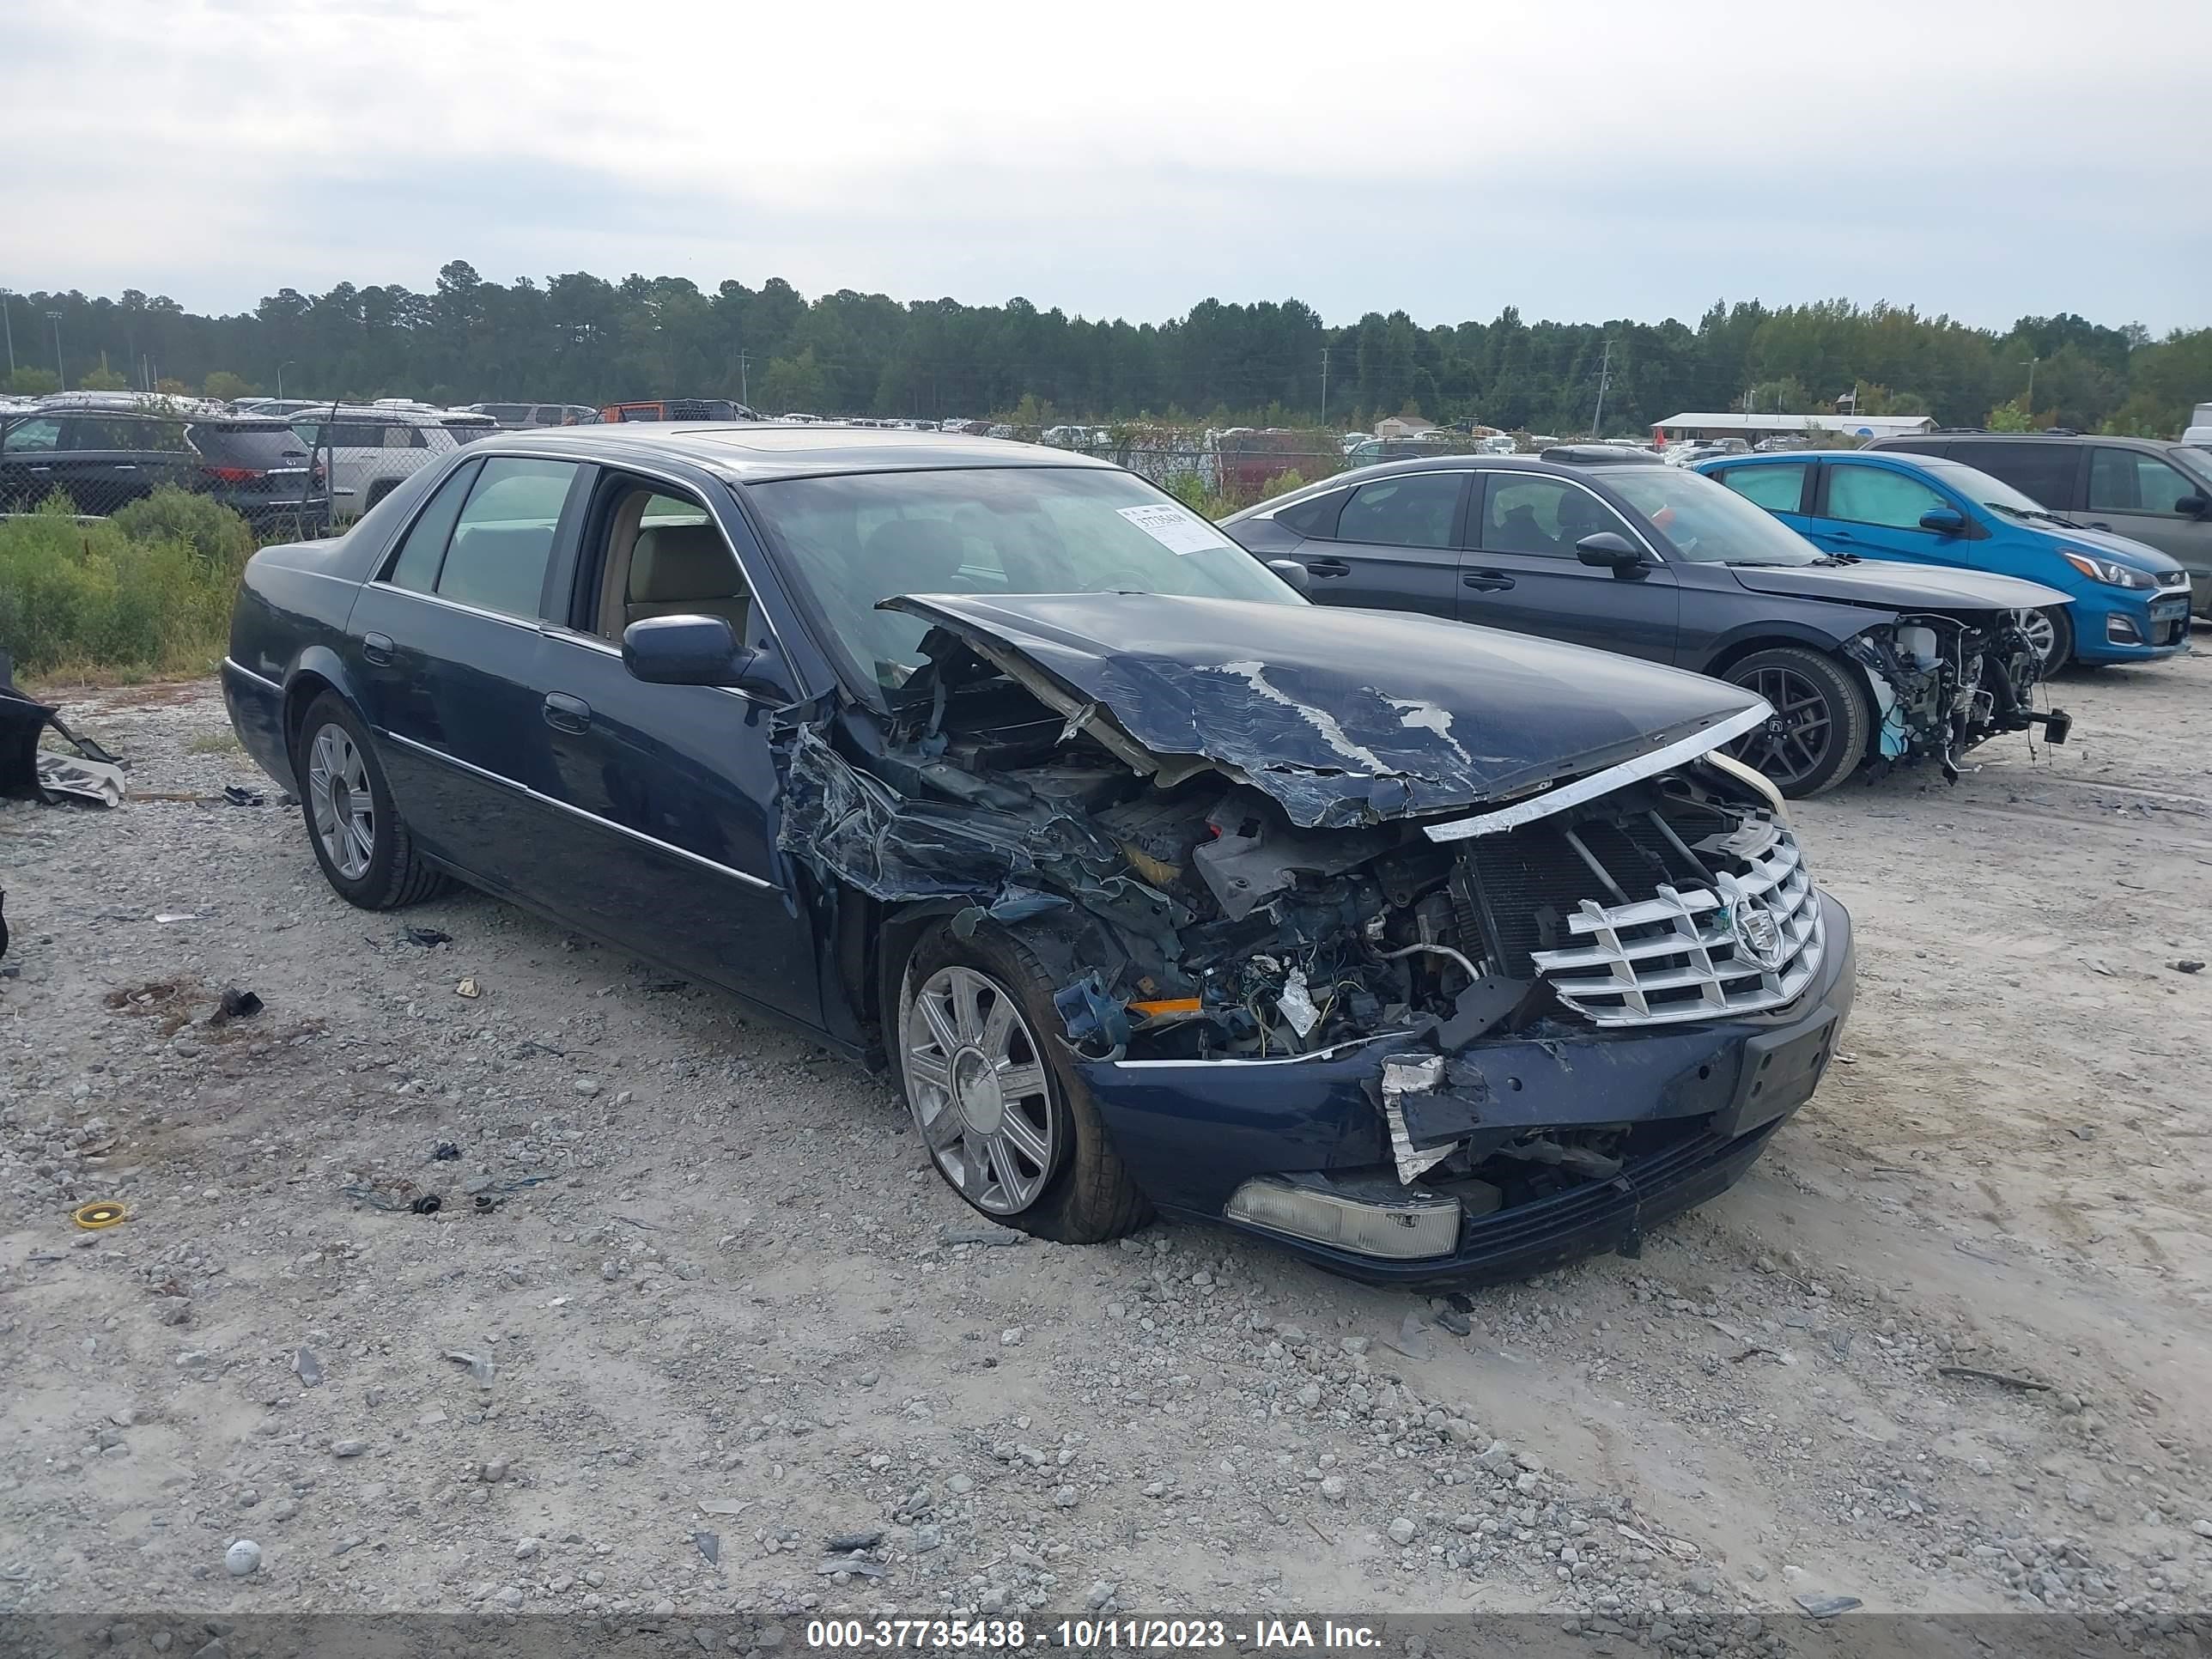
x=361 y=840
x=1006 y=1120
x=1821 y=725
x=2052 y=632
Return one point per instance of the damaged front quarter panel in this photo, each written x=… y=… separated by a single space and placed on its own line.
x=1311 y=976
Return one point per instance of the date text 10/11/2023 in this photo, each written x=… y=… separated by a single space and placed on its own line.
x=1287 y=1635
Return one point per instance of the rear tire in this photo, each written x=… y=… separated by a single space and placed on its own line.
x=974 y=1012
x=1822 y=715
x=368 y=856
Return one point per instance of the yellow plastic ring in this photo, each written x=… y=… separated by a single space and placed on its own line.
x=105 y=1213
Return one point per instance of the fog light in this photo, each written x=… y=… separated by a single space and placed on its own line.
x=1400 y=1224
x=2121 y=630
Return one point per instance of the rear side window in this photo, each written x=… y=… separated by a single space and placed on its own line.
x=1777 y=488
x=1875 y=495
x=1413 y=511
x=419 y=554
x=2129 y=481
x=2035 y=467
x=503 y=539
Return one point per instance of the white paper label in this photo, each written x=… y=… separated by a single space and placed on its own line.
x=1175 y=529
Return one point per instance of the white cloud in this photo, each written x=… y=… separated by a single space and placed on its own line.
x=1980 y=158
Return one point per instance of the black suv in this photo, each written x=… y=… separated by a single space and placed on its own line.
x=2150 y=489
x=104 y=459
x=1878 y=662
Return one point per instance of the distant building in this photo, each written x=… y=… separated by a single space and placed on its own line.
x=1403 y=426
x=1699 y=429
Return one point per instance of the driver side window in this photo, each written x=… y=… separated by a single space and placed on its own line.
x=1875 y=495
x=659 y=553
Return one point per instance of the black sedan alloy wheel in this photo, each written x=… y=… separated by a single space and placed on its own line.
x=1819 y=728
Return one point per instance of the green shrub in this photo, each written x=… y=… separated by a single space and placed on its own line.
x=91 y=595
x=221 y=539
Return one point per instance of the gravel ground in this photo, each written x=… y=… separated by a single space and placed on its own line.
x=694 y=1303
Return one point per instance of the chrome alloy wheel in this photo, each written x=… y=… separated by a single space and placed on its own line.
x=343 y=804
x=975 y=1083
x=2041 y=632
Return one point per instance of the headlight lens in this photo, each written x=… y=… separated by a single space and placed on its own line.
x=2106 y=571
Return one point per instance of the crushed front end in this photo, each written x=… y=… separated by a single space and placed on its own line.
x=1433 y=1048
x=1944 y=683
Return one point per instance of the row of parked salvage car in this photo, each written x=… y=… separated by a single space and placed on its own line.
x=1434 y=952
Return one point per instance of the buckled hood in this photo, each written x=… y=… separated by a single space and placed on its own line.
x=1343 y=717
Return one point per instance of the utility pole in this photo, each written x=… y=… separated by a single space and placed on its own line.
x=1604 y=380
x=2031 y=362
x=8 y=324
x=60 y=373
x=743 y=397
x=1324 y=385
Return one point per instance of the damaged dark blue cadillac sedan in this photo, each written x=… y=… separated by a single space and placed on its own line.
x=1435 y=953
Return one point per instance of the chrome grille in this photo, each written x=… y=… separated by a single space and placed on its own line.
x=2174 y=578
x=1697 y=954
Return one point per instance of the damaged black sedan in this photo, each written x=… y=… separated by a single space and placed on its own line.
x=1436 y=953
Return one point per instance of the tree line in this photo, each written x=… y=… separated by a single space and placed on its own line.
x=581 y=338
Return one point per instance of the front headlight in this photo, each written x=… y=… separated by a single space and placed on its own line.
x=2106 y=571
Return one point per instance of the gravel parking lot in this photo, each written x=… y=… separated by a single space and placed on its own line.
x=694 y=1303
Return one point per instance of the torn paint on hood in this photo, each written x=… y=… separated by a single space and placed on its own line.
x=1342 y=717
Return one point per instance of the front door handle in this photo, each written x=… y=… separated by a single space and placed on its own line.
x=1486 y=582
x=126 y=466
x=1327 y=568
x=42 y=469
x=378 y=648
x=566 y=714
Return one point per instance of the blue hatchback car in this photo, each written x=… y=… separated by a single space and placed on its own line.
x=2131 y=602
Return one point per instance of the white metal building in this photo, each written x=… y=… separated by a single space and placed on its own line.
x=1695 y=428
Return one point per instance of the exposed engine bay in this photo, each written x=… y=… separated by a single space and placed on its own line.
x=1194 y=920
x=1943 y=683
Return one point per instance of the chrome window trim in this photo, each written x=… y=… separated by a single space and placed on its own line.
x=483 y=450
x=527 y=793
x=529 y=622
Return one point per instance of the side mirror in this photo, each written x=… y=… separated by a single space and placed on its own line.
x=1293 y=573
x=1610 y=550
x=694 y=651
x=1944 y=520
x=2194 y=505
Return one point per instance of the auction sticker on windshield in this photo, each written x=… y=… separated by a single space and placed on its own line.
x=1175 y=529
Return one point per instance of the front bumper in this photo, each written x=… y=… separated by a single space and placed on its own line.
x=2134 y=632
x=1192 y=1132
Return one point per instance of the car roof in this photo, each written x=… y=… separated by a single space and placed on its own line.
x=757 y=452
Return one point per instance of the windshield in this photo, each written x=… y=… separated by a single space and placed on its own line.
x=861 y=537
x=1707 y=522
x=1990 y=492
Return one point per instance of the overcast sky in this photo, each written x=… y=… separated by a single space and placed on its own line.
x=1581 y=161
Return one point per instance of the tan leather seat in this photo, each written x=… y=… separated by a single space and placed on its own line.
x=686 y=570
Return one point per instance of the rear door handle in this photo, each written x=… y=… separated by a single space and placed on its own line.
x=1486 y=582
x=42 y=469
x=1328 y=567
x=126 y=466
x=566 y=714
x=378 y=648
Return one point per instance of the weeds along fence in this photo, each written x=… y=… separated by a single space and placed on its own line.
x=288 y=475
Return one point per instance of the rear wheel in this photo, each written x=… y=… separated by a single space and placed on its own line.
x=2052 y=632
x=359 y=837
x=1008 y=1123
x=1822 y=721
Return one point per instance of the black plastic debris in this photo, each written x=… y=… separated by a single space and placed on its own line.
x=445 y=1153
x=1827 y=1607
x=845 y=1542
x=237 y=1004
x=427 y=937
x=428 y=1204
x=238 y=797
